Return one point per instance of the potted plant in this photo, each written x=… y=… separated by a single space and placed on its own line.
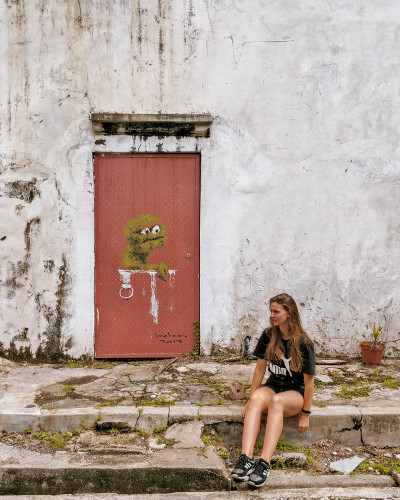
x=371 y=350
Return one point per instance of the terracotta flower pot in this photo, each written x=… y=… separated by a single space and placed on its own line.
x=371 y=354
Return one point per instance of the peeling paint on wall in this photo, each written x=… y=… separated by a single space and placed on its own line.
x=300 y=172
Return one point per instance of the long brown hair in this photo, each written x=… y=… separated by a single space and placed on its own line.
x=275 y=347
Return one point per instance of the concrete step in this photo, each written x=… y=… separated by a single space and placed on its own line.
x=348 y=425
x=163 y=471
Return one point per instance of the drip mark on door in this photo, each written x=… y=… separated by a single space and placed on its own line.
x=154 y=301
x=126 y=292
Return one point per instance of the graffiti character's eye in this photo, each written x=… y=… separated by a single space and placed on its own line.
x=145 y=231
x=156 y=229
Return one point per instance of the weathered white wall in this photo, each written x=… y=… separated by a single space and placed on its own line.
x=300 y=177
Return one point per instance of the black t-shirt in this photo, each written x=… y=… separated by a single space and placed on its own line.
x=280 y=369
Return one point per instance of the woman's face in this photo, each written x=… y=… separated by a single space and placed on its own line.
x=279 y=316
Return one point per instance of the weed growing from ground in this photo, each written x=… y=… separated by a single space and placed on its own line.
x=53 y=439
x=277 y=464
x=357 y=392
x=284 y=446
x=391 y=383
x=68 y=389
x=102 y=404
x=160 y=401
x=206 y=440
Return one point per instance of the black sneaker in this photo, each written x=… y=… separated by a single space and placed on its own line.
x=261 y=471
x=243 y=468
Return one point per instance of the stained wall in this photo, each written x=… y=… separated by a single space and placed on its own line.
x=300 y=175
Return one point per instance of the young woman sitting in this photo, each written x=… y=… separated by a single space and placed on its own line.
x=288 y=353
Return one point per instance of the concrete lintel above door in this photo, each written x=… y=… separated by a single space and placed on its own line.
x=147 y=125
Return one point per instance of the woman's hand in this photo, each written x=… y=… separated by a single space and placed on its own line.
x=303 y=423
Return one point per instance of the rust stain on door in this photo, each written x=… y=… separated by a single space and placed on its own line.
x=146 y=254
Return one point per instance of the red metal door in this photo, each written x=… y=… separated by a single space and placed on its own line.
x=146 y=254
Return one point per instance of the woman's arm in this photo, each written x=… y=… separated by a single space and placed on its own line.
x=304 y=420
x=259 y=372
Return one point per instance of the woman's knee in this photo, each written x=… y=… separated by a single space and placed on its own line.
x=259 y=399
x=276 y=403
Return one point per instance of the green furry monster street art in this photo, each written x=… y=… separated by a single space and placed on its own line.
x=144 y=233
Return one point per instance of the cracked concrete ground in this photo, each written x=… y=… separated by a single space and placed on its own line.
x=352 y=402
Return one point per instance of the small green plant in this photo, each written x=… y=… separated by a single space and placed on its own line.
x=126 y=374
x=206 y=440
x=113 y=431
x=358 y=392
x=160 y=430
x=160 y=401
x=53 y=439
x=140 y=431
x=199 y=417
x=277 y=464
x=320 y=404
x=163 y=440
x=102 y=404
x=258 y=446
x=73 y=364
x=376 y=375
x=196 y=331
x=218 y=402
x=68 y=389
x=310 y=455
x=391 y=383
x=134 y=363
x=223 y=454
x=336 y=376
x=284 y=446
x=377 y=333
x=366 y=466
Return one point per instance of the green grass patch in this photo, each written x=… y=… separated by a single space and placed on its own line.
x=277 y=464
x=141 y=432
x=320 y=404
x=310 y=455
x=214 y=384
x=55 y=440
x=357 y=392
x=284 y=446
x=258 y=446
x=366 y=466
x=73 y=364
x=391 y=383
x=160 y=401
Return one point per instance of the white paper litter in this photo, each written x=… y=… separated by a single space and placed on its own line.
x=346 y=465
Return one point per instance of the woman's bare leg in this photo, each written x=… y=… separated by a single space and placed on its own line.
x=257 y=405
x=284 y=404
